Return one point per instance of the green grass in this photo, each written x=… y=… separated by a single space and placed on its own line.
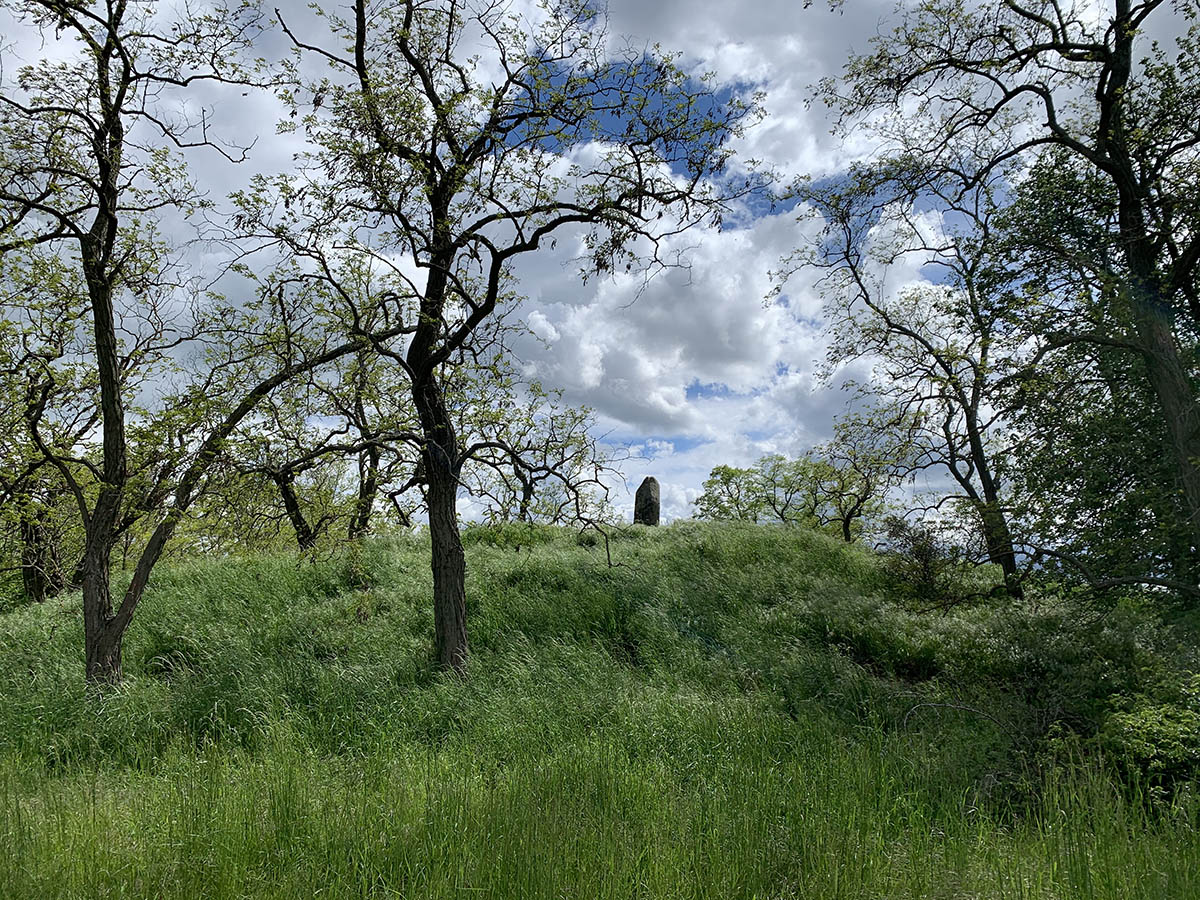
x=731 y=712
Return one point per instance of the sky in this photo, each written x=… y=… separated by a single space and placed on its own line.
x=700 y=368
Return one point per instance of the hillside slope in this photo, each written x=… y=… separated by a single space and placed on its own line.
x=729 y=711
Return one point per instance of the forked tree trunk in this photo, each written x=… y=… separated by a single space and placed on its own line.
x=102 y=633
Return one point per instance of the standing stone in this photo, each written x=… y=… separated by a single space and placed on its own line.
x=645 y=503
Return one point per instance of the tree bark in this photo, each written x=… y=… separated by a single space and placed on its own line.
x=104 y=656
x=306 y=535
x=1000 y=550
x=447 y=559
x=1150 y=290
x=368 y=487
x=1175 y=390
x=449 y=574
x=102 y=633
x=996 y=532
x=41 y=570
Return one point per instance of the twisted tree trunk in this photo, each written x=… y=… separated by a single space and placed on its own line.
x=306 y=535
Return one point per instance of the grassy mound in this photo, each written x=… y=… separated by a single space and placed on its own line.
x=730 y=711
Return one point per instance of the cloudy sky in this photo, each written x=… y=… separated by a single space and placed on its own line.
x=699 y=369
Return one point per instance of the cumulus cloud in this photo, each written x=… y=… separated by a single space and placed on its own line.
x=694 y=369
x=778 y=46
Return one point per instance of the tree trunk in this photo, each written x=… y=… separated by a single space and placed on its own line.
x=368 y=487
x=449 y=572
x=1181 y=413
x=997 y=537
x=994 y=523
x=102 y=634
x=526 y=500
x=104 y=657
x=1168 y=373
x=306 y=535
x=441 y=496
x=41 y=570
x=102 y=631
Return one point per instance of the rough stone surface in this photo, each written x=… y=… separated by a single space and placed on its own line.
x=645 y=503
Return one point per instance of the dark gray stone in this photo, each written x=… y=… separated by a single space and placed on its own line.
x=645 y=503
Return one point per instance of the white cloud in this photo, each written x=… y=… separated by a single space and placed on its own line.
x=777 y=45
x=542 y=327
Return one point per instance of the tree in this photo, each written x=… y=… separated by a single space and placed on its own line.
x=1049 y=80
x=1092 y=481
x=40 y=366
x=87 y=177
x=942 y=353
x=839 y=486
x=527 y=456
x=867 y=459
x=732 y=494
x=443 y=169
x=304 y=437
x=540 y=461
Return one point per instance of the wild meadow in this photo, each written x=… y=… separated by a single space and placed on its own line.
x=345 y=277
x=726 y=711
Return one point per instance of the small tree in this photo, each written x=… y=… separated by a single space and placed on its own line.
x=732 y=494
x=928 y=568
x=542 y=464
x=338 y=435
x=944 y=353
x=838 y=486
x=870 y=455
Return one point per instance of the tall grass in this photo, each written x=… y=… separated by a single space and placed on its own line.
x=731 y=712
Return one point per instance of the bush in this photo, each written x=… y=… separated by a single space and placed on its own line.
x=1156 y=741
x=926 y=569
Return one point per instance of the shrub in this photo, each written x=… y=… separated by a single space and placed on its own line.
x=1155 y=740
x=926 y=569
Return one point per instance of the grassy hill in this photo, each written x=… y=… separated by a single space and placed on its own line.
x=729 y=711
